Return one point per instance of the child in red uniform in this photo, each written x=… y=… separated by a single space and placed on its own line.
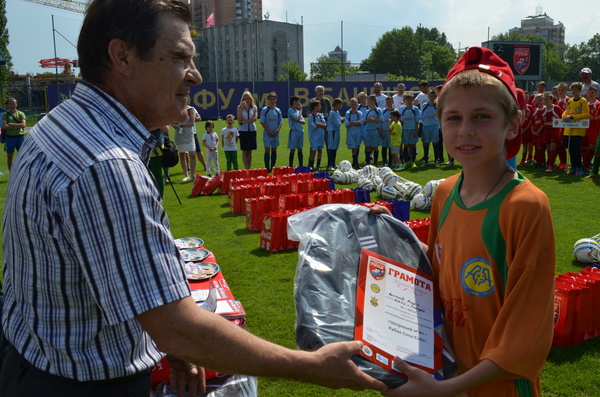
x=595 y=125
x=491 y=243
x=551 y=134
x=527 y=137
x=591 y=135
x=537 y=127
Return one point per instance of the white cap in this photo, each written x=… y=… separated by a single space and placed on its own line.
x=586 y=70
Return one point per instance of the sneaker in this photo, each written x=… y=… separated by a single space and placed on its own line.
x=398 y=167
x=528 y=161
x=550 y=168
x=437 y=164
x=425 y=163
x=572 y=171
x=415 y=165
x=562 y=166
x=587 y=169
x=521 y=164
x=451 y=162
x=591 y=176
x=186 y=179
x=578 y=172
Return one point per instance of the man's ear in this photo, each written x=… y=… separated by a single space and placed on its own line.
x=121 y=56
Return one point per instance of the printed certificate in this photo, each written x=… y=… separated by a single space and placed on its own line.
x=397 y=314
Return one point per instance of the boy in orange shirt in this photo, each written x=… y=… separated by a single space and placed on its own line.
x=491 y=243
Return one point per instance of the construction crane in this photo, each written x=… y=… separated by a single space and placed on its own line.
x=69 y=5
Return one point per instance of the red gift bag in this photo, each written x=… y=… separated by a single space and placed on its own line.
x=199 y=184
x=595 y=275
x=211 y=185
x=564 y=313
x=583 y=321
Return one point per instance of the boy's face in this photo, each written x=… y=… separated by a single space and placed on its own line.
x=541 y=88
x=210 y=128
x=576 y=92
x=562 y=92
x=393 y=118
x=389 y=103
x=372 y=103
x=475 y=131
x=591 y=95
x=548 y=102
x=353 y=104
x=229 y=120
x=408 y=102
x=272 y=101
x=539 y=101
x=337 y=106
x=317 y=107
x=363 y=99
x=432 y=96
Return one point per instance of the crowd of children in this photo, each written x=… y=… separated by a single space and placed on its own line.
x=395 y=129
x=544 y=139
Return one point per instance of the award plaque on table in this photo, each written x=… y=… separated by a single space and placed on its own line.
x=398 y=313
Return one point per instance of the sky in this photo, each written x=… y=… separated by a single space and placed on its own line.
x=465 y=23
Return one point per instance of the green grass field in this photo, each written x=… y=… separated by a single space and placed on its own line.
x=264 y=281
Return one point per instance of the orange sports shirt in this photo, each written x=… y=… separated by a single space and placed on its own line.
x=494 y=263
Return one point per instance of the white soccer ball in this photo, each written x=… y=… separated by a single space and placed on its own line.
x=345 y=178
x=390 y=179
x=336 y=176
x=412 y=189
x=387 y=192
x=345 y=166
x=421 y=202
x=378 y=189
x=383 y=171
x=370 y=171
x=365 y=183
x=353 y=176
x=360 y=173
x=429 y=188
x=377 y=180
x=587 y=250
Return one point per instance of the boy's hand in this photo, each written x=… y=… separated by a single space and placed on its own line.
x=420 y=383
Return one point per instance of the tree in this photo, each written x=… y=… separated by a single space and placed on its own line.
x=4 y=70
x=583 y=55
x=424 y=53
x=325 y=68
x=292 y=69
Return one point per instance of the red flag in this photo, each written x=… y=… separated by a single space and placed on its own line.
x=210 y=21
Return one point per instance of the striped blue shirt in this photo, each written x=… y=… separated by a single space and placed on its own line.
x=87 y=245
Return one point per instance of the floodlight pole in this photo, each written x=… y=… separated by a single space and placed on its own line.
x=55 y=63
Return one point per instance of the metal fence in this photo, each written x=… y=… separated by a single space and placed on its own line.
x=32 y=99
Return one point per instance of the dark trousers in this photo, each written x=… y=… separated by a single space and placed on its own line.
x=573 y=143
x=18 y=378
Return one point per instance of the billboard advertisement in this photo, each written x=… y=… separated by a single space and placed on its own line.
x=523 y=57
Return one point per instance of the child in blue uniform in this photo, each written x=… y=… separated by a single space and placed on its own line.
x=409 y=116
x=271 y=120
x=316 y=133
x=353 y=125
x=372 y=120
x=430 y=128
x=296 y=137
x=334 y=124
x=385 y=134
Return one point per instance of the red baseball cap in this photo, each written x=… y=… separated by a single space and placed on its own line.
x=484 y=60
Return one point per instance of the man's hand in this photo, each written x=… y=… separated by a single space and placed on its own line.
x=186 y=374
x=334 y=369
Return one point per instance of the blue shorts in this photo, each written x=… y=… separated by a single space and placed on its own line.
x=12 y=143
x=317 y=139
x=270 y=141
x=333 y=140
x=408 y=138
x=353 y=137
x=372 y=138
x=430 y=133
x=385 y=141
x=295 y=140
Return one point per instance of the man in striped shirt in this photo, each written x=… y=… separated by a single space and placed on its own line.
x=94 y=285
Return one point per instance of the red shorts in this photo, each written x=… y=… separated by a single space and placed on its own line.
x=553 y=135
x=591 y=137
x=527 y=136
x=540 y=140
